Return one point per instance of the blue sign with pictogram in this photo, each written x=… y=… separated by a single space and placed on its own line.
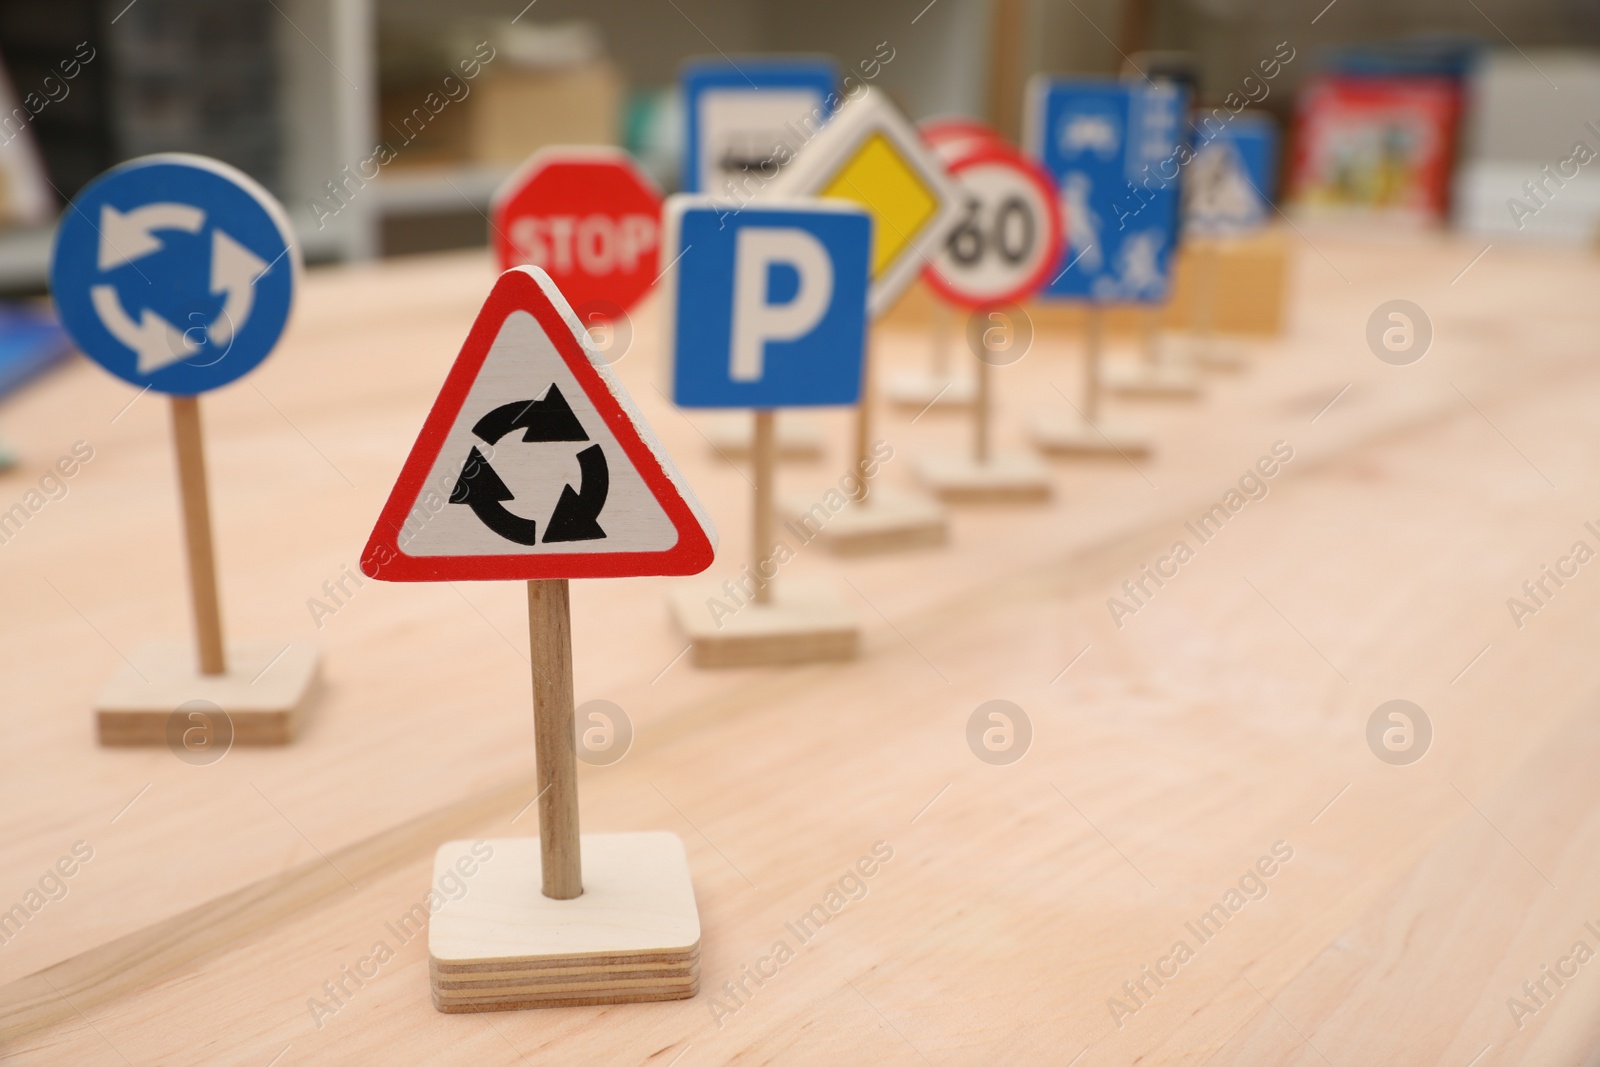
x=767 y=306
x=174 y=272
x=1112 y=148
x=746 y=119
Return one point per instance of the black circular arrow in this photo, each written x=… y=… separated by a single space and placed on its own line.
x=576 y=512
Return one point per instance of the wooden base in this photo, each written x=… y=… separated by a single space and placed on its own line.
x=264 y=692
x=1006 y=478
x=733 y=434
x=924 y=389
x=807 y=620
x=891 y=520
x=632 y=935
x=1141 y=378
x=1071 y=435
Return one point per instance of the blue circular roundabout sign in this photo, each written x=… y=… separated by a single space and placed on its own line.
x=175 y=272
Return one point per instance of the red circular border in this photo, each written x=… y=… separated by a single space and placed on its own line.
x=996 y=152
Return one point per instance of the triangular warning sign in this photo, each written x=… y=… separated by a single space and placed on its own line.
x=534 y=463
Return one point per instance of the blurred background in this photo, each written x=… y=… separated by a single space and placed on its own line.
x=1433 y=112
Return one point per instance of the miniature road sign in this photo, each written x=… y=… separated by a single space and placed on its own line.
x=1008 y=234
x=1227 y=195
x=938 y=386
x=485 y=495
x=589 y=217
x=1113 y=149
x=766 y=308
x=176 y=273
x=870 y=156
x=746 y=119
x=1007 y=240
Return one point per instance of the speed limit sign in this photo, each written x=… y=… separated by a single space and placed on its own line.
x=1008 y=233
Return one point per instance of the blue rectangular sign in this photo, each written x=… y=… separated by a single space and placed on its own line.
x=1233 y=178
x=1112 y=149
x=737 y=113
x=766 y=306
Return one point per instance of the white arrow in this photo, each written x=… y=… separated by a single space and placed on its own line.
x=126 y=236
x=153 y=339
x=234 y=270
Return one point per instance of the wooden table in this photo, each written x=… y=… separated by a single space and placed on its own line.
x=222 y=903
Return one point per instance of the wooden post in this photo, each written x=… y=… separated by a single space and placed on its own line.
x=980 y=413
x=190 y=447
x=1205 y=294
x=556 y=753
x=942 y=322
x=864 y=419
x=1094 y=326
x=762 y=452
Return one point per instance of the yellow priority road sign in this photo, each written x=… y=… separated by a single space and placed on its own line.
x=870 y=155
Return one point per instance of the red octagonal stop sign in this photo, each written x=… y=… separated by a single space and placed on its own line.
x=587 y=215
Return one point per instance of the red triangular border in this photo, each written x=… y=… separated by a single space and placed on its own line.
x=530 y=289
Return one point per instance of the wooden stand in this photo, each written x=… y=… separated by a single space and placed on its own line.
x=760 y=623
x=797 y=439
x=1158 y=374
x=1085 y=434
x=562 y=920
x=938 y=387
x=985 y=477
x=265 y=690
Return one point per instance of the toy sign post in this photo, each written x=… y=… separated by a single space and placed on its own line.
x=588 y=217
x=527 y=398
x=1007 y=240
x=1228 y=195
x=870 y=156
x=939 y=386
x=176 y=273
x=766 y=308
x=1111 y=149
x=744 y=120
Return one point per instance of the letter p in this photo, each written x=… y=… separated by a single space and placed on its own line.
x=756 y=320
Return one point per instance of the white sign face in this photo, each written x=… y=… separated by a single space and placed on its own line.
x=744 y=132
x=1007 y=234
x=529 y=466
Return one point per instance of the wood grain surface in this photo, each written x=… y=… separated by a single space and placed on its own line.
x=931 y=907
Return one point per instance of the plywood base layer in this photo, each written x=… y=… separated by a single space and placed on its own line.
x=798 y=438
x=891 y=520
x=264 y=692
x=808 y=619
x=1005 y=478
x=632 y=935
x=1072 y=435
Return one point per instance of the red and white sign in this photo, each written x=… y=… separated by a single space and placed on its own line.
x=535 y=463
x=587 y=216
x=950 y=137
x=1009 y=231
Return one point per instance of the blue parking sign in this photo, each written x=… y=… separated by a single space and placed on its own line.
x=174 y=272
x=744 y=120
x=766 y=307
x=1112 y=150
